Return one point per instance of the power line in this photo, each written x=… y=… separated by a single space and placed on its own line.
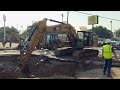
x=98 y=16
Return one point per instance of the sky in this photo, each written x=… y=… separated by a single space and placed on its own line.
x=21 y=19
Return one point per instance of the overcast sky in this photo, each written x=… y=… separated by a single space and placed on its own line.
x=25 y=18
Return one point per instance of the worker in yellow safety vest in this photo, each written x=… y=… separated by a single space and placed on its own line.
x=107 y=54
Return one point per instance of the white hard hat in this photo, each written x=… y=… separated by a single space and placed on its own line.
x=108 y=40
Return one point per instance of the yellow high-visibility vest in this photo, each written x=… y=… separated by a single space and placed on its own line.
x=107 y=51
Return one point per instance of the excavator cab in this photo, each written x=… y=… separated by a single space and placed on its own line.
x=85 y=37
x=54 y=40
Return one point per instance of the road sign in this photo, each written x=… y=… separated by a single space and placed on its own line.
x=92 y=20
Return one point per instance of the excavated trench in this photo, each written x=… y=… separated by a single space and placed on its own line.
x=41 y=66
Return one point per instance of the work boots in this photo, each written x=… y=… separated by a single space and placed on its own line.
x=104 y=73
x=109 y=75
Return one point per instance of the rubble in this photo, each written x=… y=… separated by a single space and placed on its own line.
x=9 y=70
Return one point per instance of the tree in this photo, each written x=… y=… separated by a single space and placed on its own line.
x=29 y=30
x=102 y=32
x=8 y=32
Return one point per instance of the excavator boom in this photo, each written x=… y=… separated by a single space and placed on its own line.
x=31 y=43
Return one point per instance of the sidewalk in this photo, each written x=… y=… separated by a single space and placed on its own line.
x=7 y=47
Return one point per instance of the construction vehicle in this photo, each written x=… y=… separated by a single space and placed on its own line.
x=73 y=43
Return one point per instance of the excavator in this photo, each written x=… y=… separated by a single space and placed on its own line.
x=62 y=38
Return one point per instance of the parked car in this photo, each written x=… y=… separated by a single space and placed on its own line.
x=115 y=42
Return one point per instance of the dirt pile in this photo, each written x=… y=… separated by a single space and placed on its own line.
x=41 y=66
x=9 y=70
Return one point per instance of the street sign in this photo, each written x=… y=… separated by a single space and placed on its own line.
x=92 y=20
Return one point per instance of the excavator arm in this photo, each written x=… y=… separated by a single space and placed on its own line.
x=31 y=43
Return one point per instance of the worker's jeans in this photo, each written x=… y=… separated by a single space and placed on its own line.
x=107 y=66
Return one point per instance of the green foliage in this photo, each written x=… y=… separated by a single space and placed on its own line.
x=102 y=32
x=28 y=31
x=8 y=31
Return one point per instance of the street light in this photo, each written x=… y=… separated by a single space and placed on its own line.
x=111 y=28
x=111 y=25
x=4 y=18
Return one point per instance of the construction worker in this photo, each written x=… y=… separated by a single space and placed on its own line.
x=107 y=52
x=4 y=43
x=10 y=44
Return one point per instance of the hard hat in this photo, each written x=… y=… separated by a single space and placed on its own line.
x=108 y=40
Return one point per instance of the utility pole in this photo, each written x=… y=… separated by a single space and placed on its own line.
x=67 y=16
x=111 y=28
x=92 y=27
x=4 y=18
x=62 y=17
x=21 y=30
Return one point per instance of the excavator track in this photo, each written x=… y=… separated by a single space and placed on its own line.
x=78 y=54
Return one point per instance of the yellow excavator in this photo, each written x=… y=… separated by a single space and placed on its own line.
x=63 y=38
